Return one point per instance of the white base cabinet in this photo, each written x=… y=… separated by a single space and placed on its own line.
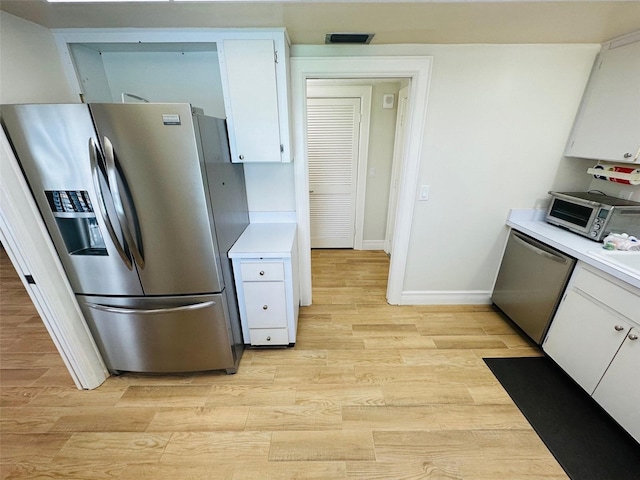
x=265 y=268
x=584 y=337
x=619 y=390
x=594 y=338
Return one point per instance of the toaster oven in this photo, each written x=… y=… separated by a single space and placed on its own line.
x=593 y=215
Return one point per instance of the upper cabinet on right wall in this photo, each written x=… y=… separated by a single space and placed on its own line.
x=607 y=126
x=255 y=79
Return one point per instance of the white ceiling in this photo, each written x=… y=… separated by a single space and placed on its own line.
x=393 y=22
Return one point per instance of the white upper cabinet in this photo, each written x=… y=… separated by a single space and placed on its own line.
x=607 y=126
x=254 y=81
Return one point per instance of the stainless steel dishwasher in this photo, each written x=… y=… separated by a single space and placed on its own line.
x=530 y=283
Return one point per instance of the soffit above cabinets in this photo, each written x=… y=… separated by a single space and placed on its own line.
x=393 y=21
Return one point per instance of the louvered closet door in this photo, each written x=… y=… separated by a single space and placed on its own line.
x=333 y=130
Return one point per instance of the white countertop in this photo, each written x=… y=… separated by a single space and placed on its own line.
x=265 y=240
x=531 y=222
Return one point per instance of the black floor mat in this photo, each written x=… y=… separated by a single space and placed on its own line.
x=587 y=443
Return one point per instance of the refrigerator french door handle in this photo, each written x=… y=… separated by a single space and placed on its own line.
x=110 y=161
x=141 y=311
x=93 y=158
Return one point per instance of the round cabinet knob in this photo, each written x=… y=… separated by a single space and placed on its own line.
x=241 y=157
x=619 y=328
x=633 y=336
x=268 y=339
x=262 y=273
x=628 y=155
x=264 y=307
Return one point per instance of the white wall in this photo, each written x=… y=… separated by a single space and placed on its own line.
x=31 y=70
x=270 y=187
x=498 y=119
x=381 y=141
x=190 y=77
x=497 y=125
x=630 y=192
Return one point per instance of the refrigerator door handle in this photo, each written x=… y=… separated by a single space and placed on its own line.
x=110 y=161
x=93 y=158
x=142 y=311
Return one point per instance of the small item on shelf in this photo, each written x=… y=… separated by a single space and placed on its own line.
x=621 y=241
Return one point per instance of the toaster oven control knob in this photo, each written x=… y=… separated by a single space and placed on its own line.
x=594 y=234
x=596 y=226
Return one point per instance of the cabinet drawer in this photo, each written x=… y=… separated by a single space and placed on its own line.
x=607 y=292
x=262 y=271
x=269 y=336
x=265 y=304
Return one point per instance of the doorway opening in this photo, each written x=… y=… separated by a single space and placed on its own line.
x=417 y=70
x=354 y=147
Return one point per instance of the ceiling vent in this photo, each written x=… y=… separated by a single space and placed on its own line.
x=361 y=38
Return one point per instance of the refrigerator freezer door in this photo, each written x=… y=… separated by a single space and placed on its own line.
x=54 y=144
x=161 y=181
x=163 y=334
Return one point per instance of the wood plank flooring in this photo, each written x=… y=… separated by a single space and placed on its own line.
x=370 y=391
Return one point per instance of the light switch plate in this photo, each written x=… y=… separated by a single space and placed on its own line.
x=424 y=193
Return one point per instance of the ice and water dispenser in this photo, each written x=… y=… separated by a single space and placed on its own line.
x=77 y=221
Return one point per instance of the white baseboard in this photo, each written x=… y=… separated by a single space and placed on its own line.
x=373 y=245
x=470 y=297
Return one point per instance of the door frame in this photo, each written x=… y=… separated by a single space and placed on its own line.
x=28 y=245
x=396 y=168
x=418 y=70
x=364 y=94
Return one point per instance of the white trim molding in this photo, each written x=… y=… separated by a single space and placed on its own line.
x=416 y=69
x=373 y=245
x=471 y=297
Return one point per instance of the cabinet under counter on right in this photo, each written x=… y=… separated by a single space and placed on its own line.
x=594 y=338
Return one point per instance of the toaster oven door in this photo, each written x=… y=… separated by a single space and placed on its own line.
x=573 y=215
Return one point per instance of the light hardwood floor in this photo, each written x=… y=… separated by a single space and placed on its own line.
x=370 y=391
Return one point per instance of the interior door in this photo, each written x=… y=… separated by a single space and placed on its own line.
x=333 y=132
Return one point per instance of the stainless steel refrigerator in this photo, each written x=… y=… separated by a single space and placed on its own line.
x=142 y=203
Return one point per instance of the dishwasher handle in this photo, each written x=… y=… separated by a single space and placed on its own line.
x=539 y=249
